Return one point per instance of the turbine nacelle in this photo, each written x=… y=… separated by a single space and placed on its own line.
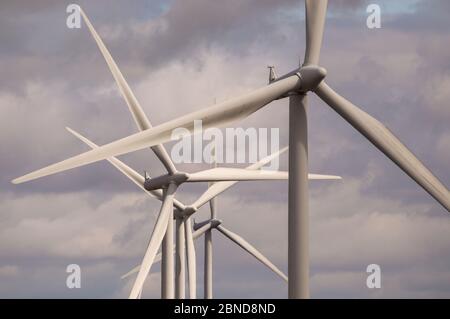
x=213 y=223
x=163 y=181
x=310 y=77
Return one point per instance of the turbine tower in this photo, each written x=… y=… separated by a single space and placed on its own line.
x=208 y=248
x=308 y=77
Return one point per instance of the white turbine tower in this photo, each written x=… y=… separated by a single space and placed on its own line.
x=308 y=77
x=208 y=244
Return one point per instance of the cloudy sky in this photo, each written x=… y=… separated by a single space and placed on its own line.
x=180 y=56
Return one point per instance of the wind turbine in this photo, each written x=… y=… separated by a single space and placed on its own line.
x=183 y=213
x=308 y=77
x=214 y=223
x=183 y=223
x=183 y=232
x=183 y=217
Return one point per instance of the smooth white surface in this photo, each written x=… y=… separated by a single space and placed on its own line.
x=142 y=121
x=191 y=259
x=155 y=241
x=214 y=116
x=134 y=176
x=316 y=11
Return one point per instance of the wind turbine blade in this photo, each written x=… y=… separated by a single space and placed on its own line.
x=267 y=159
x=316 y=11
x=323 y=177
x=216 y=115
x=213 y=206
x=213 y=201
x=134 y=176
x=386 y=142
x=195 y=235
x=199 y=232
x=191 y=262
x=136 y=269
x=142 y=122
x=239 y=174
x=219 y=187
x=132 y=271
x=136 y=110
x=155 y=240
x=251 y=250
x=235 y=174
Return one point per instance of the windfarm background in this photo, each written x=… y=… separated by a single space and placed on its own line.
x=55 y=76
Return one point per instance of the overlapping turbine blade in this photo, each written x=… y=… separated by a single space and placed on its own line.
x=155 y=241
x=213 y=205
x=136 y=269
x=251 y=250
x=235 y=174
x=219 y=187
x=134 y=176
x=386 y=142
x=196 y=234
x=216 y=115
x=316 y=11
x=323 y=177
x=267 y=159
x=191 y=262
x=135 y=108
x=213 y=201
x=238 y=174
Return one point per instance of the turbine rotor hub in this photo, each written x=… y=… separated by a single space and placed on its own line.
x=188 y=211
x=311 y=76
